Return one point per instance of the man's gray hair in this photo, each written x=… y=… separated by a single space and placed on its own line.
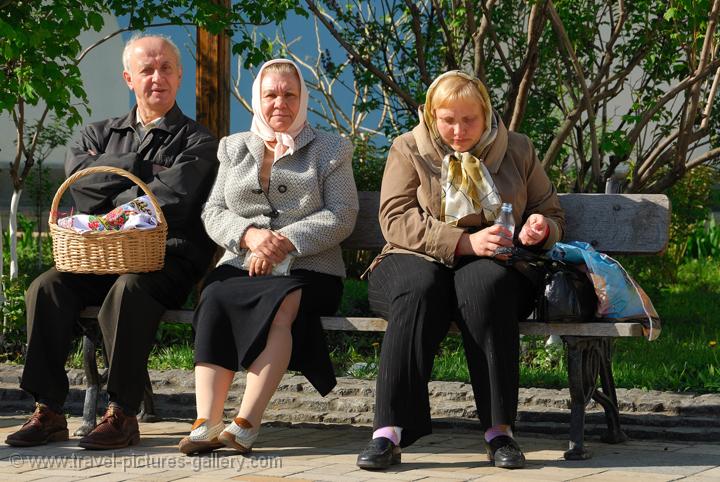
x=141 y=35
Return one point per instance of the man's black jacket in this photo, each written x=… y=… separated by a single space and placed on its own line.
x=183 y=155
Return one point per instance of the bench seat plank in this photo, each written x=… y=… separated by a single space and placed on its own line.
x=341 y=323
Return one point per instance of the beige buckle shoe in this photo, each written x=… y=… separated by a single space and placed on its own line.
x=202 y=438
x=239 y=435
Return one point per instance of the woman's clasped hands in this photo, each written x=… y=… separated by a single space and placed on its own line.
x=268 y=248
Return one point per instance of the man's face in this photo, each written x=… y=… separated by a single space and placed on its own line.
x=154 y=75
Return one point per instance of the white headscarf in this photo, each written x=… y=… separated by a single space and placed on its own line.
x=284 y=141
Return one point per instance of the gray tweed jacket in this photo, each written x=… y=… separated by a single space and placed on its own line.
x=312 y=198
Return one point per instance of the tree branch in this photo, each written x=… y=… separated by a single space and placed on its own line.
x=710 y=101
x=384 y=78
x=419 y=41
x=30 y=153
x=691 y=80
x=496 y=42
x=536 y=24
x=450 y=57
x=690 y=113
x=478 y=40
x=703 y=158
x=559 y=28
x=19 y=121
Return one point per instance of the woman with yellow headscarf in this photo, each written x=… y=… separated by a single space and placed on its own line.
x=443 y=187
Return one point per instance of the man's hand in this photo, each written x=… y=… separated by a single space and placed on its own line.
x=534 y=231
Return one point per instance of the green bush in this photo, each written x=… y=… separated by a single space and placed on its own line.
x=29 y=263
x=13 y=335
x=704 y=242
x=690 y=201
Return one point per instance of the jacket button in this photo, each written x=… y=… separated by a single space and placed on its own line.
x=282 y=188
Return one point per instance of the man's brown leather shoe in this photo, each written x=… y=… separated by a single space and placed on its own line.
x=43 y=426
x=115 y=431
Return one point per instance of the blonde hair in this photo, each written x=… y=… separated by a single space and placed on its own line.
x=453 y=88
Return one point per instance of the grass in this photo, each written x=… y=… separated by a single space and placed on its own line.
x=686 y=357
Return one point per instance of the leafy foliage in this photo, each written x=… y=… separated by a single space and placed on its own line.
x=595 y=84
x=704 y=242
x=12 y=339
x=38 y=47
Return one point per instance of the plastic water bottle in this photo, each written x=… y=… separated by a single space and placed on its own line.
x=506 y=219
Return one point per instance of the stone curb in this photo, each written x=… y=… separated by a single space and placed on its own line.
x=644 y=414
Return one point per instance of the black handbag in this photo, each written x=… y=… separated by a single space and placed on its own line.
x=565 y=292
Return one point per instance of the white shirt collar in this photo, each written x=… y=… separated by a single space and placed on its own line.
x=149 y=125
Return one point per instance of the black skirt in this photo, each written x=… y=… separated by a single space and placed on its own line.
x=235 y=312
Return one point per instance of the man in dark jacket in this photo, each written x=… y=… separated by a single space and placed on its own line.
x=176 y=157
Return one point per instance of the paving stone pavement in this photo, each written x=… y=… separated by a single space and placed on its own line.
x=644 y=414
x=328 y=453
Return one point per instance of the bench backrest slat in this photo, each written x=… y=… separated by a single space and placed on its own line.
x=612 y=223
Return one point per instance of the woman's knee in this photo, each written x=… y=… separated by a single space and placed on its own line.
x=486 y=277
x=287 y=312
x=213 y=299
x=409 y=275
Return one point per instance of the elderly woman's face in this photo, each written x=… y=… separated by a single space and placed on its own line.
x=280 y=99
x=461 y=124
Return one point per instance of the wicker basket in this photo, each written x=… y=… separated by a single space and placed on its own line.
x=107 y=252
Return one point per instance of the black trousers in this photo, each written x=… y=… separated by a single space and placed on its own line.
x=130 y=310
x=419 y=299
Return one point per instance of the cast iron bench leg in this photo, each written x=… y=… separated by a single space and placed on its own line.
x=579 y=354
x=608 y=398
x=93 y=384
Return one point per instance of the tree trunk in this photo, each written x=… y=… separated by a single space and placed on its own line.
x=2 y=280
x=14 y=202
x=212 y=80
x=38 y=212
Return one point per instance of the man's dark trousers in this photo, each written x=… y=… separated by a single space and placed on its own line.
x=130 y=309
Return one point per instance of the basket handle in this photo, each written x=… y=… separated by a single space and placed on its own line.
x=98 y=170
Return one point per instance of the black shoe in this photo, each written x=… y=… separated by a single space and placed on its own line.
x=379 y=454
x=505 y=453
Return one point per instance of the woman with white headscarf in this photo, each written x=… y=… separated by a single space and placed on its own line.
x=443 y=187
x=283 y=201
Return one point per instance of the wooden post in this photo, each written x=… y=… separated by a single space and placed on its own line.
x=212 y=80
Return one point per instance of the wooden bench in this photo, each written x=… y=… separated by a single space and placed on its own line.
x=625 y=224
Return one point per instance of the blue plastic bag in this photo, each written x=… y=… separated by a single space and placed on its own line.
x=620 y=298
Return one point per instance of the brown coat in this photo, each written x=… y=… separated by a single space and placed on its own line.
x=411 y=192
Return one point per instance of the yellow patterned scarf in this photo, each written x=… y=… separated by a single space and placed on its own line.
x=468 y=188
